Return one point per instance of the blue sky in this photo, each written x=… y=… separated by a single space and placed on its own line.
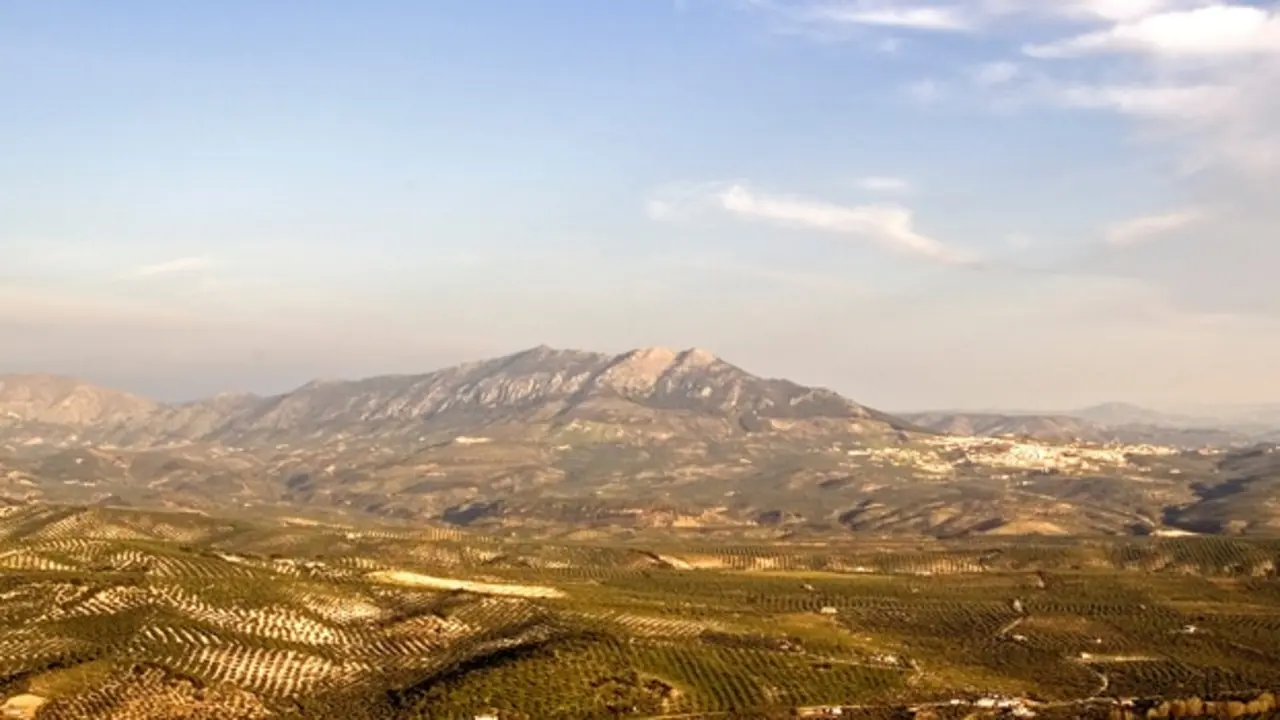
x=978 y=203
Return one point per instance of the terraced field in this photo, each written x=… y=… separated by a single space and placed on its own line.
x=112 y=613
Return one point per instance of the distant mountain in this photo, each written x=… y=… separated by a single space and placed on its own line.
x=690 y=390
x=1118 y=414
x=1259 y=415
x=58 y=400
x=1061 y=428
x=1250 y=416
x=649 y=438
x=1068 y=428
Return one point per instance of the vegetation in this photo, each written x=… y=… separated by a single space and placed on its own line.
x=111 y=613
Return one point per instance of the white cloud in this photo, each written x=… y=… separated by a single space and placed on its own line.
x=1199 y=74
x=896 y=15
x=1186 y=102
x=1231 y=125
x=995 y=73
x=1216 y=30
x=890 y=226
x=1195 y=82
x=884 y=184
x=678 y=201
x=659 y=209
x=889 y=46
x=924 y=91
x=180 y=265
x=1141 y=229
x=955 y=15
x=1115 y=10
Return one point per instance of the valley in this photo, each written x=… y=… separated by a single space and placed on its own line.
x=659 y=534
x=112 y=613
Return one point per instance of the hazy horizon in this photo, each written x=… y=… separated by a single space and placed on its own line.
x=920 y=205
x=1209 y=413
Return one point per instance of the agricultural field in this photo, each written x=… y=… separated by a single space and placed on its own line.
x=115 y=613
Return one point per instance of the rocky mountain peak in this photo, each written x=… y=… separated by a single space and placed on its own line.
x=698 y=357
x=640 y=370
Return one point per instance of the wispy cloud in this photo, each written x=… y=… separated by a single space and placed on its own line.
x=995 y=73
x=866 y=20
x=1199 y=74
x=1215 y=30
x=169 y=267
x=1175 y=102
x=678 y=201
x=925 y=91
x=890 y=226
x=1117 y=10
x=884 y=184
x=894 y=15
x=1203 y=71
x=1142 y=229
x=824 y=16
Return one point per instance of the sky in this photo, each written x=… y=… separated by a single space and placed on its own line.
x=920 y=204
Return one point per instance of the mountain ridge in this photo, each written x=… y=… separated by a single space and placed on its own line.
x=1065 y=428
x=578 y=440
x=540 y=384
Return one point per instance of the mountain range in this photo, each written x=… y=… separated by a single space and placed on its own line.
x=1069 y=427
x=568 y=440
x=1117 y=422
x=692 y=389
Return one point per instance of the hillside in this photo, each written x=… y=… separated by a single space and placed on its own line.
x=1062 y=428
x=58 y=400
x=652 y=390
x=140 y=615
x=1114 y=414
x=547 y=442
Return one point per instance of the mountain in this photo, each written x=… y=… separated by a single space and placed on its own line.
x=547 y=440
x=650 y=390
x=657 y=387
x=1268 y=415
x=1253 y=422
x=1117 y=414
x=1069 y=428
x=1265 y=416
x=58 y=400
x=1063 y=428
